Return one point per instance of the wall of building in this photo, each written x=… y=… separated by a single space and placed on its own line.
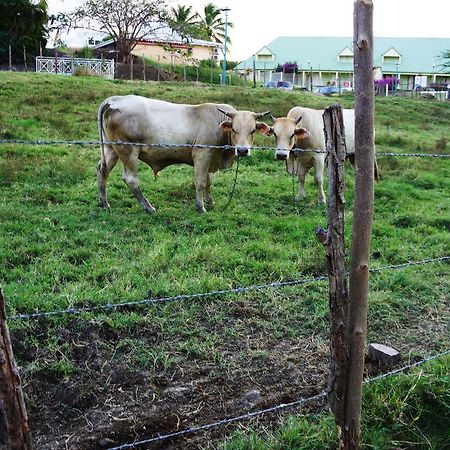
x=175 y=54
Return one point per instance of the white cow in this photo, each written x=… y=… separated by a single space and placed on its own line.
x=138 y=119
x=310 y=136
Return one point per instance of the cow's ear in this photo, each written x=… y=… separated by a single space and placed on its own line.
x=302 y=133
x=263 y=128
x=226 y=125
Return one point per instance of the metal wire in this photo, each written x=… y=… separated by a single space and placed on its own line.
x=223 y=147
x=222 y=422
x=182 y=297
x=141 y=144
x=233 y=189
x=150 y=301
x=408 y=366
x=250 y=415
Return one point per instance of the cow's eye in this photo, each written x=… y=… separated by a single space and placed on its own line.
x=253 y=131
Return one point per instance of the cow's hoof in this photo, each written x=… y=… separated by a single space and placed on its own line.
x=105 y=205
x=201 y=209
x=299 y=198
x=149 y=209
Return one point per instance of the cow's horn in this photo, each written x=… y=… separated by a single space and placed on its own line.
x=273 y=118
x=259 y=115
x=229 y=114
x=298 y=120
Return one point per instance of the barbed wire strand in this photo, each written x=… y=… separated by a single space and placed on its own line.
x=272 y=409
x=182 y=297
x=223 y=147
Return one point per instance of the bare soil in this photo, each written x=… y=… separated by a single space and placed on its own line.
x=106 y=402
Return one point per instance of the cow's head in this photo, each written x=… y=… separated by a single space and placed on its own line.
x=286 y=132
x=242 y=125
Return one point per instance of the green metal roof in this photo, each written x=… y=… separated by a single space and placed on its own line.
x=417 y=54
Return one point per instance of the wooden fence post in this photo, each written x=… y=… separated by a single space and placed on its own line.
x=143 y=68
x=25 y=58
x=333 y=240
x=362 y=217
x=14 y=431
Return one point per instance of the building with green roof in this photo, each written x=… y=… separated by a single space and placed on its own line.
x=329 y=60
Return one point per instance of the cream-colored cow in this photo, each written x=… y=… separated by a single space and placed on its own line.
x=138 y=119
x=303 y=129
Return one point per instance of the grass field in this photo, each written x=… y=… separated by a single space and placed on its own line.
x=128 y=374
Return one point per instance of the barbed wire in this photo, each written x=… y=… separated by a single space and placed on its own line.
x=272 y=409
x=206 y=146
x=222 y=422
x=415 y=155
x=182 y=297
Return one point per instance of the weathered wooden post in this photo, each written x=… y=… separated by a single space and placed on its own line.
x=10 y=56
x=333 y=240
x=159 y=58
x=143 y=68
x=131 y=67
x=25 y=58
x=14 y=431
x=362 y=217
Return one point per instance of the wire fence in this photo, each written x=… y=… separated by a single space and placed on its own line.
x=219 y=293
x=202 y=295
x=205 y=146
x=282 y=406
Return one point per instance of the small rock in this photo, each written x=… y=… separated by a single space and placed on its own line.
x=105 y=442
x=384 y=353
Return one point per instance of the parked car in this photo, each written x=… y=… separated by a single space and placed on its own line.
x=271 y=84
x=332 y=90
x=286 y=85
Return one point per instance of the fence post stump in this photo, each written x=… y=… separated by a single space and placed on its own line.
x=14 y=431
x=333 y=240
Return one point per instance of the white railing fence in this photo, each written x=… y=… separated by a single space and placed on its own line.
x=70 y=66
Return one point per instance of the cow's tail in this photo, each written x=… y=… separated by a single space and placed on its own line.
x=101 y=133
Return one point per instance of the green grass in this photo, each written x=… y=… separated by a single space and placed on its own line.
x=398 y=412
x=58 y=249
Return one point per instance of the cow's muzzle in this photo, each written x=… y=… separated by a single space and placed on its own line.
x=242 y=151
x=281 y=156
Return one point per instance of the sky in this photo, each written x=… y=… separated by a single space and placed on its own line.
x=258 y=22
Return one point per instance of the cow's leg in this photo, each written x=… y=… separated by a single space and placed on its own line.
x=302 y=170
x=201 y=180
x=208 y=194
x=319 y=164
x=104 y=167
x=130 y=177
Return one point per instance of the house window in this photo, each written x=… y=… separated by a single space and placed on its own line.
x=264 y=58
x=391 y=59
x=346 y=58
x=392 y=56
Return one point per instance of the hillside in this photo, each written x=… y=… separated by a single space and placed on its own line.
x=130 y=373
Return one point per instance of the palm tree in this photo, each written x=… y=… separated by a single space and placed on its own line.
x=213 y=25
x=185 y=22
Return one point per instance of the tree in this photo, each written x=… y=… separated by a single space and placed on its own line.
x=185 y=22
x=22 y=24
x=127 y=21
x=445 y=58
x=213 y=24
